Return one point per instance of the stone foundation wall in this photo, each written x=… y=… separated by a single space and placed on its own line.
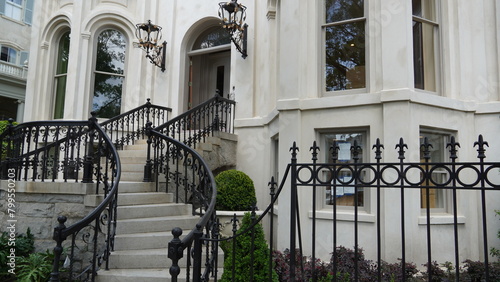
x=38 y=204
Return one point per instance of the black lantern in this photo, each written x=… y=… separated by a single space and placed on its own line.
x=233 y=16
x=149 y=34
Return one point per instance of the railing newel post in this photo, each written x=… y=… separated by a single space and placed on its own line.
x=148 y=166
x=89 y=154
x=58 y=249
x=197 y=251
x=175 y=253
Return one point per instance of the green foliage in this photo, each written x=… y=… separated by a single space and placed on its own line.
x=24 y=246
x=243 y=254
x=235 y=191
x=3 y=126
x=494 y=251
x=35 y=268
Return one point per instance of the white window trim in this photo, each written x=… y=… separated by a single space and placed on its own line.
x=324 y=25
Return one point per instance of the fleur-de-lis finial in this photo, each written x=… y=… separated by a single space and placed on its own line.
x=426 y=146
x=480 y=143
x=335 y=151
x=453 y=147
x=356 y=150
x=401 y=146
x=314 y=150
x=294 y=149
x=378 y=149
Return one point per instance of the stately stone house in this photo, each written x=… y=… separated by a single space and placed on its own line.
x=334 y=72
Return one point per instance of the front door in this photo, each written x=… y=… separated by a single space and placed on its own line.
x=208 y=73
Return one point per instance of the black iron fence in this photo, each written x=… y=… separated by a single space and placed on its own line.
x=400 y=177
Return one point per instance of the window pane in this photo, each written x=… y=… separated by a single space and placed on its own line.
x=345 y=57
x=339 y=10
x=8 y=55
x=111 y=52
x=437 y=154
x=424 y=9
x=18 y=2
x=107 y=95
x=62 y=61
x=60 y=97
x=424 y=59
x=13 y=9
x=342 y=191
x=212 y=38
x=111 y=48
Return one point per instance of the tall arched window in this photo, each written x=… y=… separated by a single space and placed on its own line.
x=109 y=73
x=61 y=75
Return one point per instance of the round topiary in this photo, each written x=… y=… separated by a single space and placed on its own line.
x=235 y=191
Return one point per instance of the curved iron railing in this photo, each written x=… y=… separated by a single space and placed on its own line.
x=199 y=186
x=190 y=128
x=63 y=150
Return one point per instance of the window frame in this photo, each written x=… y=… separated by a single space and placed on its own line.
x=57 y=75
x=324 y=26
x=365 y=155
x=16 y=57
x=446 y=194
x=436 y=25
x=96 y=72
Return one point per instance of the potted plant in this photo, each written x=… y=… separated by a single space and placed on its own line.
x=235 y=195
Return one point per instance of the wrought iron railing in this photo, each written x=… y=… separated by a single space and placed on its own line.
x=193 y=126
x=130 y=126
x=190 y=128
x=62 y=150
x=189 y=171
x=377 y=177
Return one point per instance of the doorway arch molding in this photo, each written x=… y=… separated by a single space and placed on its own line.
x=189 y=39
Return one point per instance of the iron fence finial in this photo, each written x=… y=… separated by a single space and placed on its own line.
x=401 y=146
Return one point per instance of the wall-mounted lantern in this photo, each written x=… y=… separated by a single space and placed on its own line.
x=149 y=35
x=233 y=16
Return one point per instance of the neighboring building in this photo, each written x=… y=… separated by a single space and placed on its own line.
x=316 y=70
x=15 y=21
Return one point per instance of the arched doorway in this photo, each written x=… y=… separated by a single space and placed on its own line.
x=209 y=66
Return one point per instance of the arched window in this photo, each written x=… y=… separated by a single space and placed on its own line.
x=61 y=75
x=109 y=73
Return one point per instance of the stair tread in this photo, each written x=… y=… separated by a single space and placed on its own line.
x=145 y=234
x=158 y=218
x=151 y=205
x=149 y=252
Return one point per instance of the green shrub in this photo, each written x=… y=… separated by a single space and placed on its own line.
x=36 y=267
x=235 y=191
x=243 y=255
x=3 y=126
x=24 y=247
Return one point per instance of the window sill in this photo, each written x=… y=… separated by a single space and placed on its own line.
x=344 y=215
x=13 y=20
x=440 y=219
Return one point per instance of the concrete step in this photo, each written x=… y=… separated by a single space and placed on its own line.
x=142 y=241
x=133 y=167
x=127 y=199
x=132 y=176
x=153 y=210
x=142 y=275
x=135 y=187
x=132 y=153
x=149 y=258
x=133 y=160
x=137 y=146
x=156 y=224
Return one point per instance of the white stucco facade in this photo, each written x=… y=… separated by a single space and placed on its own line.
x=281 y=98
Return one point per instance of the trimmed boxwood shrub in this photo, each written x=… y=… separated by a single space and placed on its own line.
x=243 y=254
x=235 y=191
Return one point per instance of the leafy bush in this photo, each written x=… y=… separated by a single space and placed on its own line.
x=24 y=247
x=235 y=191
x=494 y=251
x=243 y=253
x=3 y=126
x=36 y=267
x=303 y=272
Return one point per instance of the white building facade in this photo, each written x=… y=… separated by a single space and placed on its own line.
x=316 y=71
